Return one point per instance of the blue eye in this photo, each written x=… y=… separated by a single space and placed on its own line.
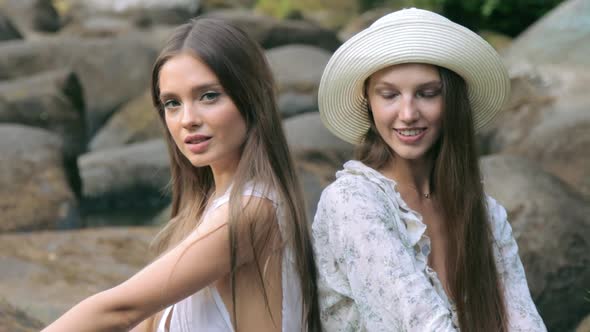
x=171 y=103
x=210 y=96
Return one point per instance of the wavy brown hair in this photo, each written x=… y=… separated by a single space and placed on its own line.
x=240 y=65
x=473 y=277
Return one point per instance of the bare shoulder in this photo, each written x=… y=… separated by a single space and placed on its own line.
x=255 y=224
x=251 y=209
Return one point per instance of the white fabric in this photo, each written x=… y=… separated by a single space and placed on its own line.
x=372 y=259
x=206 y=311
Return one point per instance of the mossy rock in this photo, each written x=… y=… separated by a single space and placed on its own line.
x=331 y=14
x=15 y=320
x=498 y=41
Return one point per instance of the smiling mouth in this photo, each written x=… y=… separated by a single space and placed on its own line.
x=197 y=140
x=410 y=132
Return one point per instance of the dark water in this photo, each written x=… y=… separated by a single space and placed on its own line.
x=123 y=210
x=136 y=217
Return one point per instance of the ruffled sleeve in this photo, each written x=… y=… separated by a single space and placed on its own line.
x=358 y=226
x=522 y=312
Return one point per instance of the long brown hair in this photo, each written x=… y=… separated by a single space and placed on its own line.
x=473 y=277
x=240 y=65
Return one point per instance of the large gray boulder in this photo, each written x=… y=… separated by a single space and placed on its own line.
x=99 y=25
x=317 y=169
x=14 y=320
x=50 y=100
x=46 y=273
x=297 y=67
x=330 y=14
x=136 y=121
x=7 y=29
x=291 y=103
x=561 y=146
x=111 y=71
x=120 y=6
x=317 y=153
x=34 y=188
x=297 y=70
x=270 y=32
x=46 y=17
x=547 y=121
x=530 y=99
x=87 y=14
x=363 y=21
x=32 y=16
x=131 y=176
x=551 y=225
x=560 y=37
x=306 y=132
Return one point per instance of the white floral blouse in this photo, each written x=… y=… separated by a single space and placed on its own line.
x=372 y=256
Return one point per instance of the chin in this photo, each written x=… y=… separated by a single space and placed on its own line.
x=197 y=161
x=409 y=154
x=197 y=164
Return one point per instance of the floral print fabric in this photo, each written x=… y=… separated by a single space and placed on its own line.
x=372 y=255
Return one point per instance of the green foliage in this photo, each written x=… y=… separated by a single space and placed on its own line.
x=283 y=8
x=434 y=5
x=508 y=17
x=331 y=14
x=276 y=8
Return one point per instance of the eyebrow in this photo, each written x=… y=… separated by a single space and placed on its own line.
x=196 y=89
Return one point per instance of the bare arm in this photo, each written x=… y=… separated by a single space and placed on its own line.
x=184 y=270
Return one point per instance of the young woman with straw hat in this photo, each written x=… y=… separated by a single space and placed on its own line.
x=405 y=238
x=237 y=253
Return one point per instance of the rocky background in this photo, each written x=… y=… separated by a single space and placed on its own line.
x=83 y=167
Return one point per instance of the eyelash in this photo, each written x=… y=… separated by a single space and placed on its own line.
x=212 y=94
x=429 y=93
x=389 y=95
x=167 y=103
x=207 y=97
x=421 y=94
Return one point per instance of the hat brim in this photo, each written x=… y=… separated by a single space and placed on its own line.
x=443 y=43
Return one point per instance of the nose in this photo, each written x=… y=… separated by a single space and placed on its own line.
x=190 y=116
x=408 y=111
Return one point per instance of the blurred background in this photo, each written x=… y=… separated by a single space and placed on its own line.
x=84 y=169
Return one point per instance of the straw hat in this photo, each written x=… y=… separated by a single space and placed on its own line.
x=409 y=36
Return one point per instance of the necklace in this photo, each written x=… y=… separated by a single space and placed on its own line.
x=427 y=195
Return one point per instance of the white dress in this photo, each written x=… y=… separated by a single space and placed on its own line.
x=372 y=257
x=206 y=311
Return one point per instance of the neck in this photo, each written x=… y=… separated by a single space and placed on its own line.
x=223 y=174
x=411 y=175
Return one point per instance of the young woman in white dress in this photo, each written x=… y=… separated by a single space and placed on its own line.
x=237 y=254
x=405 y=238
